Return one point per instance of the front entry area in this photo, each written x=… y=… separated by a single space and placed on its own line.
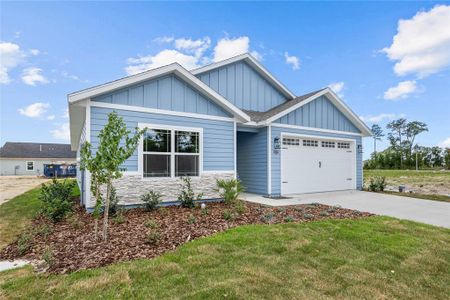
x=310 y=164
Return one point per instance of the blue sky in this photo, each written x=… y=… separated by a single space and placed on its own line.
x=51 y=49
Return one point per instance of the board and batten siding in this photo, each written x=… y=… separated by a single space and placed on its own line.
x=218 y=136
x=319 y=113
x=167 y=93
x=276 y=157
x=240 y=84
x=252 y=160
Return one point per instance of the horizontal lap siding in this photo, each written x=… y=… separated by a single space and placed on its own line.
x=243 y=86
x=252 y=160
x=276 y=157
x=218 y=149
x=168 y=93
x=319 y=113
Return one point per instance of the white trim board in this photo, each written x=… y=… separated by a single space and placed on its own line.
x=314 y=129
x=269 y=160
x=159 y=111
x=174 y=68
x=255 y=64
x=335 y=100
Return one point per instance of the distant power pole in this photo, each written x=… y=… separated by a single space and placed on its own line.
x=417 y=163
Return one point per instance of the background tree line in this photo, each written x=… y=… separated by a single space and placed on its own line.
x=403 y=152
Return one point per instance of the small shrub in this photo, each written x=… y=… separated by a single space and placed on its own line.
x=151 y=224
x=119 y=218
x=288 y=219
x=151 y=200
x=281 y=209
x=47 y=256
x=204 y=212
x=187 y=195
x=24 y=243
x=152 y=237
x=377 y=184
x=191 y=219
x=239 y=207
x=267 y=218
x=324 y=213
x=73 y=221
x=56 y=201
x=229 y=190
x=308 y=216
x=228 y=215
x=44 y=230
x=332 y=209
x=163 y=211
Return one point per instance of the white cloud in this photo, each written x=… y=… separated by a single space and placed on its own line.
x=163 y=40
x=190 y=53
x=337 y=87
x=34 y=110
x=403 y=90
x=165 y=57
x=32 y=76
x=445 y=143
x=62 y=133
x=51 y=117
x=35 y=52
x=10 y=56
x=198 y=47
x=227 y=48
x=293 y=61
x=422 y=43
x=381 y=117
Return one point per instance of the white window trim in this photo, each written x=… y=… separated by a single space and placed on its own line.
x=172 y=152
x=26 y=166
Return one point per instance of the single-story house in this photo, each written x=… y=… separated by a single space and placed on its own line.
x=17 y=158
x=229 y=119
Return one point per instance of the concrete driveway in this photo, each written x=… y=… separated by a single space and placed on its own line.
x=425 y=211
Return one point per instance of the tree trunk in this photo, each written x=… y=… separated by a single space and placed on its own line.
x=106 y=210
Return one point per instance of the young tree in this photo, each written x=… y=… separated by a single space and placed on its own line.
x=116 y=144
x=377 y=134
x=93 y=164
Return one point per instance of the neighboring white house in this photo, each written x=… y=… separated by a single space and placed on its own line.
x=29 y=158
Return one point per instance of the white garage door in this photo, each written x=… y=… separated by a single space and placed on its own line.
x=311 y=165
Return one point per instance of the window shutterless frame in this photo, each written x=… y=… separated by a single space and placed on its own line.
x=173 y=153
x=29 y=164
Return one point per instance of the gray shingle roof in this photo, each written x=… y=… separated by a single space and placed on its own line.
x=36 y=150
x=258 y=116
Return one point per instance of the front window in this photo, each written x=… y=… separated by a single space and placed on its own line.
x=169 y=153
x=30 y=165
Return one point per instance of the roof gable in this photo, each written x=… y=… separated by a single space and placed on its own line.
x=36 y=150
x=168 y=92
x=255 y=64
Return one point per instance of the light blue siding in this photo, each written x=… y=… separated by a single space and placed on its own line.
x=168 y=93
x=252 y=160
x=243 y=86
x=218 y=136
x=320 y=113
x=276 y=156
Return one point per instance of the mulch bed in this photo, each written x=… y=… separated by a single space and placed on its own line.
x=73 y=246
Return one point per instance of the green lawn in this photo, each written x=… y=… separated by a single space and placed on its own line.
x=376 y=257
x=430 y=185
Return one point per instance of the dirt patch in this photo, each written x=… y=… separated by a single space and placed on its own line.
x=70 y=245
x=12 y=186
